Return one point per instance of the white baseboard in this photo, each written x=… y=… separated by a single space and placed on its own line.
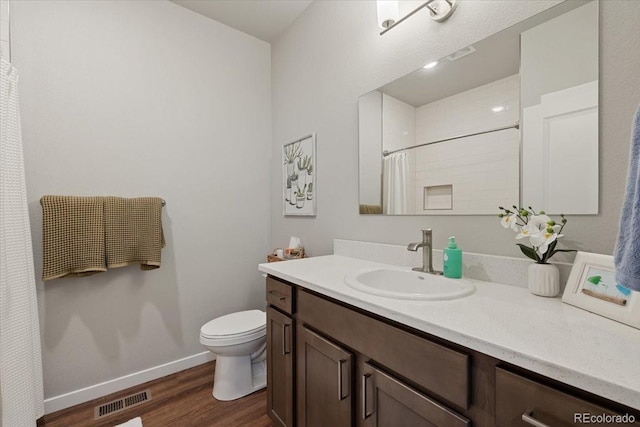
x=86 y=394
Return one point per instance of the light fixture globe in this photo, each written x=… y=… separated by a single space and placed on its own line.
x=441 y=10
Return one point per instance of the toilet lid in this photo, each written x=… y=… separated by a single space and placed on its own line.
x=240 y=323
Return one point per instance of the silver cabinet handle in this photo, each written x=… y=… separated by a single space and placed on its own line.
x=341 y=396
x=285 y=349
x=365 y=414
x=277 y=295
x=527 y=417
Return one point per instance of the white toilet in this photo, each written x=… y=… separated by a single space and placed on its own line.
x=239 y=342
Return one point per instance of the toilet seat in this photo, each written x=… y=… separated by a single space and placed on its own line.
x=235 y=328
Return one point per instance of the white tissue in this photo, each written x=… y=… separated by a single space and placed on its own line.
x=295 y=242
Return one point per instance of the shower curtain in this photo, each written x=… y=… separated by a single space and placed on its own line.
x=21 y=391
x=394 y=185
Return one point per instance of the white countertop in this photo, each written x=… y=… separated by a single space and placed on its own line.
x=540 y=334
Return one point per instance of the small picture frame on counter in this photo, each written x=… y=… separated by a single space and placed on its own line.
x=592 y=287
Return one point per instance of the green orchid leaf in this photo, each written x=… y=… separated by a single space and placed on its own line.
x=552 y=253
x=529 y=252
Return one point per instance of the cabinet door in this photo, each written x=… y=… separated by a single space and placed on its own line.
x=523 y=402
x=280 y=368
x=324 y=381
x=386 y=401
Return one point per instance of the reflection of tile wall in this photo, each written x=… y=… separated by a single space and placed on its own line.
x=4 y=27
x=483 y=170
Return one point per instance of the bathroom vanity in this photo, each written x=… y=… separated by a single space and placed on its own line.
x=498 y=357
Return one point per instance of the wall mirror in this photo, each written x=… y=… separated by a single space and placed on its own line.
x=511 y=119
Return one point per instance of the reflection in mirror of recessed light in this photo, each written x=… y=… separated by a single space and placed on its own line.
x=498 y=108
x=431 y=64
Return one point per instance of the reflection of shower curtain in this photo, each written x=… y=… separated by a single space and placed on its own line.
x=21 y=392
x=394 y=186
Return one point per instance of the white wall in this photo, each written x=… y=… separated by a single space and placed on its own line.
x=333 y=54
x=559 y=54
x=4 y=28
x=145 y=98
x=398 y=124
x=559 y=72
x=370 y=136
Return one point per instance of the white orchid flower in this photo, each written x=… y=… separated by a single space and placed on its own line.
x=542 y=241
x=510 y=221
x=528 y=230
x=541 y=231
x=539 y=220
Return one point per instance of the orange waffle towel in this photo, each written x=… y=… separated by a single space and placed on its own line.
x=72 y=236
x=133 y=229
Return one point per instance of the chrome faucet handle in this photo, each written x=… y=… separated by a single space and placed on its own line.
x=426 y=235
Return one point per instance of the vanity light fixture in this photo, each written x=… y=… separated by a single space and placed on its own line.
x=431 y=64
x=439 y=11
x=498 y=108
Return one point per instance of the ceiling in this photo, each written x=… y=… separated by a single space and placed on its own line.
x=495 y=57
x=263 y=19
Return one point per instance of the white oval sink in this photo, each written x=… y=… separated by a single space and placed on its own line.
x=408 y=284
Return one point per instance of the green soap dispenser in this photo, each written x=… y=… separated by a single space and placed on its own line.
x=452 y=257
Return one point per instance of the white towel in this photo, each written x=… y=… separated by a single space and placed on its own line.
x=21 y=392
x=136 y=422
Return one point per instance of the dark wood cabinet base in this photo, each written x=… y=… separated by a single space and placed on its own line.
x=355 y=368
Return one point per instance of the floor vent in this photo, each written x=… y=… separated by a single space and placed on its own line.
x=121 y=404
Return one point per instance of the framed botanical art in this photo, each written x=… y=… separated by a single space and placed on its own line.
x=299 y=176
x=592 y=286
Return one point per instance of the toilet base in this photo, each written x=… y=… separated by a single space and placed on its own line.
x=238 y=376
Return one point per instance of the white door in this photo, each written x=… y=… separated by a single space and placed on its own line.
x=560 y=138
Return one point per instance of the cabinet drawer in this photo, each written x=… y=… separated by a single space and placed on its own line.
x=438 y=369
x=524 y=402
x=387 y=401
x=280 y=295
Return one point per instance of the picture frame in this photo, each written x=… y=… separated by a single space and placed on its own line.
x=592 y=287
x=299 y=177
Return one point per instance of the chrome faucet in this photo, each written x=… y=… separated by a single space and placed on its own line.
x=427 y=257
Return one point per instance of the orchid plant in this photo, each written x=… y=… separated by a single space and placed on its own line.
x=542 y=231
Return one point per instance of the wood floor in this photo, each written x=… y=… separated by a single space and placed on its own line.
x=179 y=400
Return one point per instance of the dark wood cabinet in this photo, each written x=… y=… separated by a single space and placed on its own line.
x=386 y=401
x=280 y=380
x=524 y=402
x=280 y=295
x=324 y=381
x=434 y=367
x=332 y=364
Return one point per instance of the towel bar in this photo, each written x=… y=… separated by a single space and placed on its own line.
x=163 y=202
